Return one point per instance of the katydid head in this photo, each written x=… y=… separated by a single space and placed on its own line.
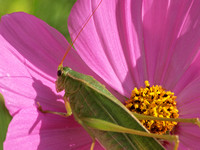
x=61 y=77
x=62 y=71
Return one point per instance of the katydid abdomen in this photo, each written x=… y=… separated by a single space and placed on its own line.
x=88 y=98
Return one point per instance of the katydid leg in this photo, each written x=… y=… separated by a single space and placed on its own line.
x=185 y=120
x=111 y=127
x=68 y=108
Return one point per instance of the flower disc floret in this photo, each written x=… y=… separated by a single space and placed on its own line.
x=154 y=101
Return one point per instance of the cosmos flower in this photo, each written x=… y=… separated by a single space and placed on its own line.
x=124 y=44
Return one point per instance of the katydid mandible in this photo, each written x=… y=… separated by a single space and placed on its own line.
x=102 y=115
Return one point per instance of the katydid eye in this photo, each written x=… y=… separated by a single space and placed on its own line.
x=59 y=73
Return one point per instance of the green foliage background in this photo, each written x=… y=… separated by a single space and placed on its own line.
x=54 y=12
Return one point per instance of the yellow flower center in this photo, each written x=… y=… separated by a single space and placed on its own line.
x=154 y=101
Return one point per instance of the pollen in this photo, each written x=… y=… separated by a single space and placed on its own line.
x=154 y=101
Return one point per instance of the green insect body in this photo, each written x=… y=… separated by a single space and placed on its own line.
x=90 y=99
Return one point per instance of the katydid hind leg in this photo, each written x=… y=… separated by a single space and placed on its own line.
x=195 y=121
x=111 y=127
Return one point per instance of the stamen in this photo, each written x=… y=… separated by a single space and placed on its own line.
x=154 y=101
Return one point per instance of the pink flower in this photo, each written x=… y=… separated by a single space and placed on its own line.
x=124 y=44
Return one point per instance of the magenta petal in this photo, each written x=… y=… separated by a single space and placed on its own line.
x=153 y=27
x=110 y=43
x=29 y=38
x=187 y=89
x=181 y=147
x=32 y=130
x=189 y=135
x=171 y=39
x=22 y=83
x=188 y=97
x=189 y=109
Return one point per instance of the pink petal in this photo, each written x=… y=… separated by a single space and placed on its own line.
x=182 y=147
x=188 y=95
x=23 y=91
x=189 y=135
x=171 y=39
x=37 y=42
x=153 y=14
x=32 y=130
x=22 y=83
x=188 y=101
x=189 y=109
x=111 y=41
x=187 y=89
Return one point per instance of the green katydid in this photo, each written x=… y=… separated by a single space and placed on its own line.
x=102 y=115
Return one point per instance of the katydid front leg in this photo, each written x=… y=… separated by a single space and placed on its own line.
x=67 y=106
x=69 y=113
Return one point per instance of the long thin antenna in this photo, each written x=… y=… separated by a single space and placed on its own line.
x=68 y=49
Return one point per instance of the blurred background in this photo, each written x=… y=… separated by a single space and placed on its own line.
x=54 y=12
